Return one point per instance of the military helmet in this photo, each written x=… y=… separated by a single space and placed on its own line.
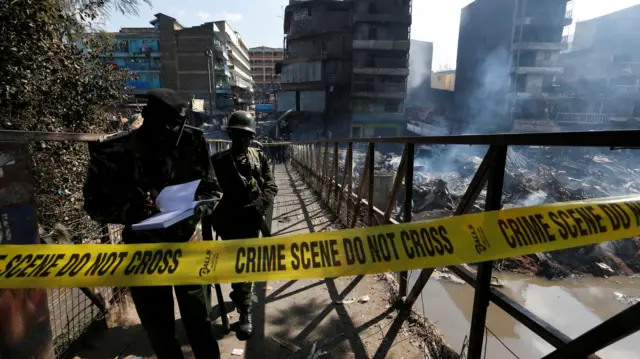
x=242 y=120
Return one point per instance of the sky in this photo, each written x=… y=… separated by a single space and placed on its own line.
x=259 y=22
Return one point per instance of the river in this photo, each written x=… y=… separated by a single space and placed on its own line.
x=571 y=305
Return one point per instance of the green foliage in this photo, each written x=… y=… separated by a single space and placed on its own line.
x=49 y=83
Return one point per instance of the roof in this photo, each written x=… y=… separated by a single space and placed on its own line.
x=262 y=48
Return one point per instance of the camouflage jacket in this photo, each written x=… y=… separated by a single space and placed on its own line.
x=254 y=167
x=124 y=168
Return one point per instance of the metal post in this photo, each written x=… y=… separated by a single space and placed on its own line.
x=397 y=182
x=372 y=155
x=483 y=288
x=363 y=181
x=408 y=201
x=335 y=172
x=350 y=184
x=345 y=173
x=209 y=55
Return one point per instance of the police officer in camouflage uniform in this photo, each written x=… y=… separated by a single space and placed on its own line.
x=248 y=188
x=124 y=178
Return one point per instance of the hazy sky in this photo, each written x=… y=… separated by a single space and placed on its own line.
x=260 y=21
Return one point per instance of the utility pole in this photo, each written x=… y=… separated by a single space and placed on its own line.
x=210 y=71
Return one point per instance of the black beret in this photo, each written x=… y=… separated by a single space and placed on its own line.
x=163 y=98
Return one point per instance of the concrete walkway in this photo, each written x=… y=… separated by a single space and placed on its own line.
x=302 y=313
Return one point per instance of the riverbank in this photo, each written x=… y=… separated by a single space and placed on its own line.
x=572 y=305
x=615 y=258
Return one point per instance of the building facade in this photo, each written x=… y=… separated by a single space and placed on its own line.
x=263 y=62
x=348 y=62
x=444 y=80
x=241 y=80
x=138 y=50
x=602 y=73
x=381 y=31
x=187 y=68
x=508 y=63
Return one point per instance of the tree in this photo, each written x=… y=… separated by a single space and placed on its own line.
x=56 y=77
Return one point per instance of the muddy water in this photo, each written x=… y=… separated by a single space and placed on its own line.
x=572 y=305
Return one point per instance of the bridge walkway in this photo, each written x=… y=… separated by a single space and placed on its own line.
x=302 y=313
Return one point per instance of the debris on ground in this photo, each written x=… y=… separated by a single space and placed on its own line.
x=237 y=352
x=364 y=299
x=287 y=345
x=344 y=301
x=626 y=299
x=533 y=175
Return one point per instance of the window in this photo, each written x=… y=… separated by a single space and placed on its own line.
x=373 y=33
x=439 y=77
x=392 y=106
x=373 y=8
x=547 y=55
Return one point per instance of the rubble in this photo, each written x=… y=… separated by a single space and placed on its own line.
x=533 y=175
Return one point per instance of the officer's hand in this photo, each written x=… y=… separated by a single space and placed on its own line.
x=257 y=204
x=150 y=206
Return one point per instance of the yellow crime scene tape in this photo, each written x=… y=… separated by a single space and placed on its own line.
x=442 y=242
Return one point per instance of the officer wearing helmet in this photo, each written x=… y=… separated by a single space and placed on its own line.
x=248 y=188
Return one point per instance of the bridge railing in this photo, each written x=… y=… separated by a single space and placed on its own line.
x=328 y=167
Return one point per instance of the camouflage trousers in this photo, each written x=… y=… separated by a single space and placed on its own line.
x=242 y=293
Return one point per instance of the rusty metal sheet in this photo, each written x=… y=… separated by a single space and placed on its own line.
x=25 y=329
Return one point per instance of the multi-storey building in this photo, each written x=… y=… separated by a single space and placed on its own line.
x=381 y=31
x=347 y=61
x=602 y=73
x=507 y=64
x=444 y=80
x=137 y=49
x=241 y=80
x=317 y=68
x=187 y=68
x=263 y=61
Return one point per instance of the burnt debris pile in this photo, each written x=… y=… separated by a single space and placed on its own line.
x=534 y=175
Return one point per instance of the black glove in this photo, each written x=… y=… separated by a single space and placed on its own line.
x=257 y=204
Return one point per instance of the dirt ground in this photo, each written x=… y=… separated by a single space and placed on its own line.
x=331 y=315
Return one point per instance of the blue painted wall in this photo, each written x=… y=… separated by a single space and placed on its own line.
x=140 y=55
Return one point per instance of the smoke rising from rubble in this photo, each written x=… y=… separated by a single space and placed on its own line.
x=485 y=112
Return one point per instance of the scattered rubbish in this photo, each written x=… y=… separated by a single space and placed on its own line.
x=284 y=220
x=626 y=299
x=447 y=277
x=313 y=354
x=364 y=299
x=237 y=352
x=287 y=345
x=254 y=298
x=269 y=288
x=495 y=281
x=323 y=353
x=605 y=267
x=345 y=301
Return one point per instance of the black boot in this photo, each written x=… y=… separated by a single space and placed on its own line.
x=245 y=326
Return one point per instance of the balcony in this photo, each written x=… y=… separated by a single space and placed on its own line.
x=141 y=67
x=381 y=71
x=628 y=88
x=582 y=118
x=548 y=46
x=398 y=18
x=543 y=20
x=629 y=67
x=379 y=90
x=538 y=70
x=385 y=45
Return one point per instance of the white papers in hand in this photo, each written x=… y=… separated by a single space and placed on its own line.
x=175 y=204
